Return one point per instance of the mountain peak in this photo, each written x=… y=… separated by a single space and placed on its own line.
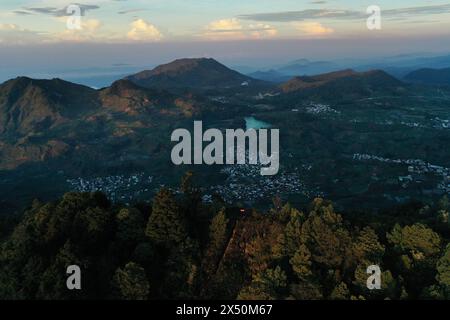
x=347 y=78
x=19 y=82
x=29 y=105
x=183 y=65
x=202 y=73
x=308 y=82
x=55 y=84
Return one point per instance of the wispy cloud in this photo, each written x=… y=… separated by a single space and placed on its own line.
x=290 y=16
x=437 y=9
x=130 y=11
x=22 y=13
x=61 y=12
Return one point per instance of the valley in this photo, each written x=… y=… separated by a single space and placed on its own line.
x=117 y=139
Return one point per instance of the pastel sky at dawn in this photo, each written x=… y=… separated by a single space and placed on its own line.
x=237 y=31
x=27 y=21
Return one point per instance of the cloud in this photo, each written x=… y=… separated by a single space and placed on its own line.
x=88 y=32
x=437 y=9
x=142 y=30
x=8 y=26
x=224 y=29
x=261 y=30
x=291 y=16
x=12 y=34
x=91 y=25
x=22 y=13
x=225 y=26
x=62 y=12
x=130 y=11
x=312 y=28
x=232 y=29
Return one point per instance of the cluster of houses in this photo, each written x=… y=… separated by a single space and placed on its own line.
x=441 y=123
x=317 y=108
x=436 y=123
x=245 y=183
x=417 y=171
x=412 y=124
x=118 y=188
x=220 y=99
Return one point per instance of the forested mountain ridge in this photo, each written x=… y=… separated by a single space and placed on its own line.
x=30 y=106
x=429 y=76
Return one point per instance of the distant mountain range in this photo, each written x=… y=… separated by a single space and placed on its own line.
x=270 y=76
x=298 y=67
x=28 y=105
x=41 y=119
x=307 y=67
x=397 y=66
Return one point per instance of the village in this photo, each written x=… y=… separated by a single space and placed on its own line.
x=417 y=172
x=245 y=184
x=317 y=108
x=118 y=188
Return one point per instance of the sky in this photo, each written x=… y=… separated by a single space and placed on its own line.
x=38 y=37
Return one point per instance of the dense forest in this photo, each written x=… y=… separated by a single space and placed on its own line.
x=177 y=247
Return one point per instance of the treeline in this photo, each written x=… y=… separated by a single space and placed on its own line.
x=181 y=248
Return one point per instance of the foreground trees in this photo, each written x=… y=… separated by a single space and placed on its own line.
x=168 y=251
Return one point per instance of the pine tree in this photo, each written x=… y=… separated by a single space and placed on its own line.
x=269 y=284
x=217 y=241
x=301 y=263
x=181 y=267
x=289 y=241
x=218 y=232
x=417 y=240
x=130 y=226
x=131 y=282
x=367 y=246
x=326 y=237
x=166 y=225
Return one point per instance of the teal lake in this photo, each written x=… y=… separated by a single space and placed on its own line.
x=253 y=123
